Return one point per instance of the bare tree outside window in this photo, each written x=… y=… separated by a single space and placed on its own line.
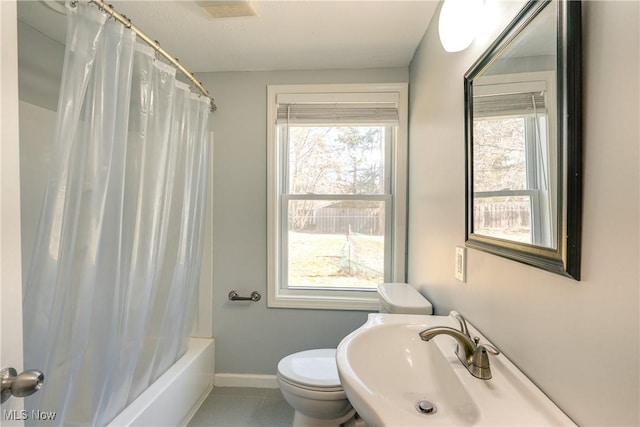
x=500 y=171
x=339 y=241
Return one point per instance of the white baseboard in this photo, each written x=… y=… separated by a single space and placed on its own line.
x=245 y=380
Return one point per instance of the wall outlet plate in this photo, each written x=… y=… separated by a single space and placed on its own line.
x=461 y=263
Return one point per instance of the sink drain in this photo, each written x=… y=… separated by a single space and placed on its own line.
x=426 y=407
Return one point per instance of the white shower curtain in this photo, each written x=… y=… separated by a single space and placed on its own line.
x=111 y=289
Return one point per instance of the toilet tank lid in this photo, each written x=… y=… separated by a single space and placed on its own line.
x=403 y=295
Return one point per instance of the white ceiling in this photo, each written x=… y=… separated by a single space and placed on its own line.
x=287 y=35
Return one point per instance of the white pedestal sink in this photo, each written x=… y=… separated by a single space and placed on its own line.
x=386 y=369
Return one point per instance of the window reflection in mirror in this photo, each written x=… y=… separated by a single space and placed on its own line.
x=514 y=159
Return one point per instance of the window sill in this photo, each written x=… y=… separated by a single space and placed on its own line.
x=364 y=301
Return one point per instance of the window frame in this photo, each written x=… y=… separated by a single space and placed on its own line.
x=332 y=299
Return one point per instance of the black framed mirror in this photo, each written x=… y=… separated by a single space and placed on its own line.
x=523 y=130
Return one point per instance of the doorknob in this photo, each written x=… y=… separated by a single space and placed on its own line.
x=25 y=384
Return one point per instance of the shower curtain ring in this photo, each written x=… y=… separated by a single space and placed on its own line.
x=156 y=48
x=109 y=10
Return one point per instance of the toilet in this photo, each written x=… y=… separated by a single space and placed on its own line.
x=309 y=379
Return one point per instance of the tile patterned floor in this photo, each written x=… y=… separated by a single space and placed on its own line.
x=243 y=407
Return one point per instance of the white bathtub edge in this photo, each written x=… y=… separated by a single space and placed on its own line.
x=175 y=397
x=196 y=406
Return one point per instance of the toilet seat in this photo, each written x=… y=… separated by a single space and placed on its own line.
x=314 y=370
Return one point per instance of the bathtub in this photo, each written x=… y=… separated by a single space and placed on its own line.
x=174 y=397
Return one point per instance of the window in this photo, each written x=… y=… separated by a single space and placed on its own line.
x=512 y=182
x=336 y=193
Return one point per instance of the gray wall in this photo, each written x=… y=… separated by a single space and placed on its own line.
x=40 y=60
x=251 y=338
x=578 y=341
x=37 y=125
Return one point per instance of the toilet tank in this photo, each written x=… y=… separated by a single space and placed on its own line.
x=402 y=298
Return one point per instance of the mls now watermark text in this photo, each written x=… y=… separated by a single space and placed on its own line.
x=23 y=415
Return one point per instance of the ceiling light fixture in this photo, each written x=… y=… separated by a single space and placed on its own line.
x=458 y=23
x=228 y=9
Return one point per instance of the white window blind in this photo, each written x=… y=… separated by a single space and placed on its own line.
x=338 y=113
x=512 y=104
x=337 y=108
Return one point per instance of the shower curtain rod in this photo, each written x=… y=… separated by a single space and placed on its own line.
x=154 y=44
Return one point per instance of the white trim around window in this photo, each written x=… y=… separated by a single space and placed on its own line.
x=280 y=296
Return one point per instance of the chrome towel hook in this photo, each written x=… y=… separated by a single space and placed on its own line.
x=255 y=296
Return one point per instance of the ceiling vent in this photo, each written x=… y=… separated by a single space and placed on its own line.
x=228 y=9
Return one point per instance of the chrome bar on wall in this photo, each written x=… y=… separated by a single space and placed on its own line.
x=255 y=296
x=154 y=44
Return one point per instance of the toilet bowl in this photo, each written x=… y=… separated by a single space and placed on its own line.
x=309 y=382
x=309 y=379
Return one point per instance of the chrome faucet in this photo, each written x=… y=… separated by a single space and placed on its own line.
x=473 y=356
